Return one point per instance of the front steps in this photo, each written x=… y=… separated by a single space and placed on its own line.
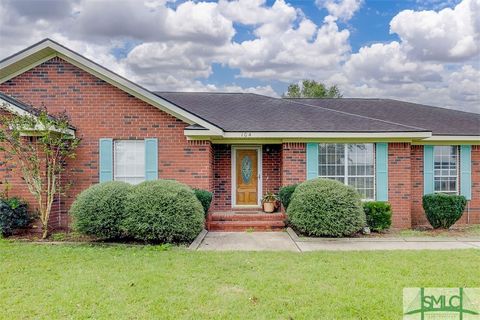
x=234 y=221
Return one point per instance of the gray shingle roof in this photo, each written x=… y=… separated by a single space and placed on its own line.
x=237 y=112
x=440 y=121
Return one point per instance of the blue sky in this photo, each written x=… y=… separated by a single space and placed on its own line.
x=370 y=24
x=425 y=51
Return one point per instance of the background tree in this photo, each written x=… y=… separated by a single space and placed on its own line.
x=39 y=145
x=312 y=89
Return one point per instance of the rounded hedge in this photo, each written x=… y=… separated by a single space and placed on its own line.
x=443 y=210
x=324 y=207
x=378 y=214
x=163 y=211
x=205 y=197
x=13 y=215
x=285 y=194
x=99 y=210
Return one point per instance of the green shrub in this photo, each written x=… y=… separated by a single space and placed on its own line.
x=443 y=210
x=163 y=211
x=323 y=207
x=285 y=194
x=378 y=214
x=205 y=198
x=100 y=210
x=13 y=215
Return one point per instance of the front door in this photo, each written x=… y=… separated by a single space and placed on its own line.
x=246 y=169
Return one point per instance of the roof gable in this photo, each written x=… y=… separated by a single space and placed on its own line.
x=47 y=49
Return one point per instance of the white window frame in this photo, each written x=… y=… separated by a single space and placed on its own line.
x=117 y=177
x=457 y=172
x=346 y=174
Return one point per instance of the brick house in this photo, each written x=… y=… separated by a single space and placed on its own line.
x=240 y=145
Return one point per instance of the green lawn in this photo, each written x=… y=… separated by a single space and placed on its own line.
x=121 y=282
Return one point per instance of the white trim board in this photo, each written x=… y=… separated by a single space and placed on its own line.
x=292 y=135
x=233 y=173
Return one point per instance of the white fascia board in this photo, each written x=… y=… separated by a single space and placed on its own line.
x=453 y=138
x=246 y=135
x=19 y=111
x=206 y=133
x=25 y=54
x=109 y=77
x=308 y=135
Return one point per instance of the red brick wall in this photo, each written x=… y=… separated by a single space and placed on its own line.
x=472 y=212
x=222 y=177
x=474 y=205
x=100 y=110
x=272 y=177
x=399 y=184
x=294 y=163
x=418 y=216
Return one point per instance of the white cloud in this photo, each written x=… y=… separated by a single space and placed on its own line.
x=448 y=35
x=263 y=90
x=288 y=46
x=388 y=63
x=152 y=21
x=173 y=47
x=341 y=9
x=464 y=85
x=434 y=62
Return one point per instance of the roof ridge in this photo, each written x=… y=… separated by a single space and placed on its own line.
x=360 y=116
x=192 y=92
x=435 y=107
x=328 y=98
x=384 y=99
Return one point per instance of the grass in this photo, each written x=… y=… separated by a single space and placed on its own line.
x=470 y=231
x=152 y=282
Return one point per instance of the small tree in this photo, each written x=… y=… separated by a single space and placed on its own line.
x=40 y=145
x=312 y=89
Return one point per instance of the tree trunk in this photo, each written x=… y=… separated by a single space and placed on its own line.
x=44 y=232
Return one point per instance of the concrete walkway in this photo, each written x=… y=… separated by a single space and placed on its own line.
x=248 y=241
x=289 y=241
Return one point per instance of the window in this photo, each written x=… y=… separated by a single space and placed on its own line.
x=445 y=175
x=129 y=161
x=352 y=164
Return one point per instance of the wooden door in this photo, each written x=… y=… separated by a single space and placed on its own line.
x=247 y=177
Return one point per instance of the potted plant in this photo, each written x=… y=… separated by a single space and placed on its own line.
x=269 y=202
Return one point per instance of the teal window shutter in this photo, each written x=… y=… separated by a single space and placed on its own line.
x=151 y=159
x=428 y=169
x=466 y=171
x=381 y=173
x=106 y=160
x=312 y=160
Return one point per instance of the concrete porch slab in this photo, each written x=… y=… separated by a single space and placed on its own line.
x=247 y=241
